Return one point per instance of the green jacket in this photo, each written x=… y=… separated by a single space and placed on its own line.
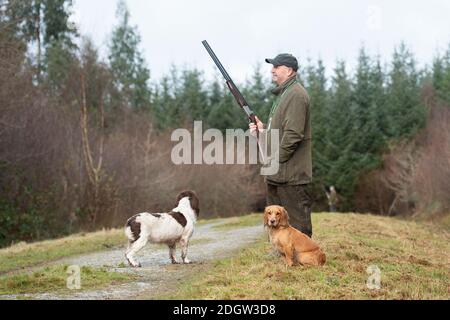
x=291 y=116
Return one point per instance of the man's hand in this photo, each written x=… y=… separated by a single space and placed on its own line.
x=252 y=127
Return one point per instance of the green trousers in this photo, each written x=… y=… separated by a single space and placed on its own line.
x=297 y=201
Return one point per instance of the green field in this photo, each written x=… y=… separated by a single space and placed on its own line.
x=413 y=259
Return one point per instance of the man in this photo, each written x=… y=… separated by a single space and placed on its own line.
x=290 y=114
x=332 y=198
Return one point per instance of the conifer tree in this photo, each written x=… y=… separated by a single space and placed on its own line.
x=45 y=26
x=367 y=133
x=446 y=81
x=164 y=110
x=225 y=113
x=441 y=77
x=438 y=75
x=316 y=86
x=338 y=123
x=192 y=97
x=257 y=94
x=215 y=97
x=405 y=111
x=131 y=74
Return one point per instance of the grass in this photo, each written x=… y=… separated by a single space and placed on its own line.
x=239 y=222
x=23 y=255
x=413 y=259
x=54 y=279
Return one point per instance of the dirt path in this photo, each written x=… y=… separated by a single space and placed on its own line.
x=157 y=275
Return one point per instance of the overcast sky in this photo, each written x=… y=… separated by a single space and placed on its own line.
x=244 y=32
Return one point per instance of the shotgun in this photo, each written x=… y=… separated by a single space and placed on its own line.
x=234 y=90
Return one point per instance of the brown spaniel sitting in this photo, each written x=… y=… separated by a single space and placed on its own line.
x=295 y=246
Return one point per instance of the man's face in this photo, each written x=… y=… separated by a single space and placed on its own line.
x=281 y=73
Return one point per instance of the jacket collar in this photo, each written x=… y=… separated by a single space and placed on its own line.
x=282 y=87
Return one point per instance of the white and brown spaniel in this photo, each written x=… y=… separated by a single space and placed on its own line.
x=170 y=228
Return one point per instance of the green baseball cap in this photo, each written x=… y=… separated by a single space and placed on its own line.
x=284 y=59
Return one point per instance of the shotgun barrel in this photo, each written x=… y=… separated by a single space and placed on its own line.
x=234 y=90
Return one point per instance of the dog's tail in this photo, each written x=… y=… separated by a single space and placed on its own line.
x=129 y=234
x=132 y=229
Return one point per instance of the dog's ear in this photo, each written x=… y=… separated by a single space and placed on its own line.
x=193 y=199
x=266 y=217
x=195 y=203
x=284 y=220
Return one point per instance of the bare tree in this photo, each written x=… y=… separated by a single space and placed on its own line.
x=400 y=170
x=93 y=168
